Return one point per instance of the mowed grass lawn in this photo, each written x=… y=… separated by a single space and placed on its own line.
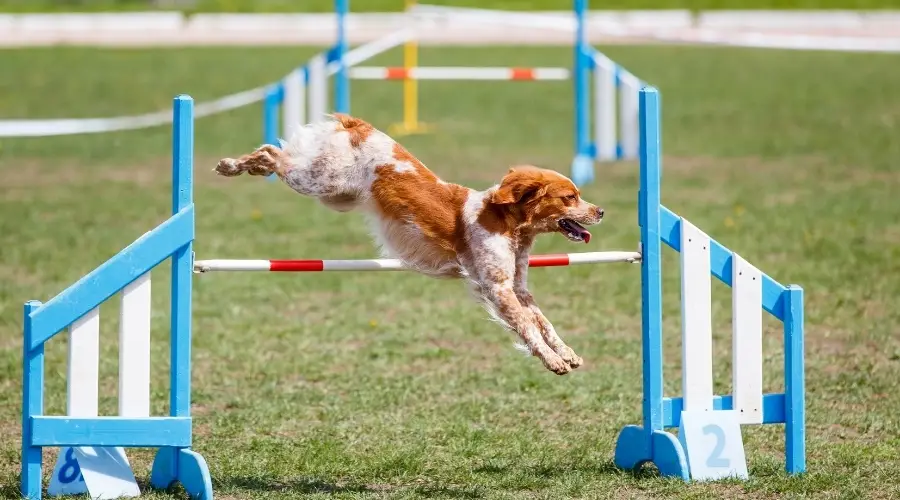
x=391 y=385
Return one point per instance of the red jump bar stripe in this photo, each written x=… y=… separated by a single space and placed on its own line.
x=396 y=74
x=549 y=260
x=522 y=74
x=296 y=265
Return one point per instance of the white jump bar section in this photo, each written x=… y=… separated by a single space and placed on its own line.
x=203 y=266
x=603 y=257
x=696 y=319
x=458 y=73
x=746 y=343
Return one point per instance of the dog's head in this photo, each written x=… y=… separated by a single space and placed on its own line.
x=544 y=201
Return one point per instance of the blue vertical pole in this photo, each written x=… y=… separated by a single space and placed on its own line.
x=182 y=198
x=32 y=406
x=270 y=115
x=582 y=165
x=794 y=384
x=651 y=264
x=341 y=79
x=181 y=464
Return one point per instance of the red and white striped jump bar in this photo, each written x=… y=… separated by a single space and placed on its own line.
x=457 y=73
x=305 y=266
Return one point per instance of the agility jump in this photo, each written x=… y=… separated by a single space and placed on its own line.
x=76 y=309
x=605 y=129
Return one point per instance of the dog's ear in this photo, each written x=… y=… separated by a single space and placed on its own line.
x=519 y=185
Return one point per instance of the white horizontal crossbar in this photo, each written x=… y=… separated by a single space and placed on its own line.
x=313 y=265
x=458 y=73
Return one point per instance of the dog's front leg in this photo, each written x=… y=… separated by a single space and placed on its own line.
x=521 y=320
x=547 y=331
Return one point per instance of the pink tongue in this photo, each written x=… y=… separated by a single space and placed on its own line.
x=587 y=236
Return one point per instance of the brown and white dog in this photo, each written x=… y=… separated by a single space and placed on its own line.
x=434 y=227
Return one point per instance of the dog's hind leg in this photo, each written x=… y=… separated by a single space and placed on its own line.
x=265 y=160
x=311 y=180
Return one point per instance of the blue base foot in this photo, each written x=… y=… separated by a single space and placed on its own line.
x=666 y=452
x=668 y=455
x=631 y=448
x=184 y=466
x=582 y=170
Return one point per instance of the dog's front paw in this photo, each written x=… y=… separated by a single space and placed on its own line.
x=569 y=356
x=555 y=363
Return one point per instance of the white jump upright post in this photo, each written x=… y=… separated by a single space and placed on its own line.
x=605 y=142
x=696 y=320
x=317 y=69
x=294 y=106
x=746 y=340
x=629 y=87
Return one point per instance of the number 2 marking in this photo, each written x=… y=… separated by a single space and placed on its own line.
x=70 y=464
x=716 y=459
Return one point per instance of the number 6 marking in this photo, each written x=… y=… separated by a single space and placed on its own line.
x=70 y=464
x=716 y=459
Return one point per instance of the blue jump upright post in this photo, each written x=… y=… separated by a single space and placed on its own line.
x=650 y=442
x=342 y=78
x=271 y=102
x=175 y=461
x=583 y=163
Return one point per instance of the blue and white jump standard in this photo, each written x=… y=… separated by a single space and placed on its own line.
x=77 y=309
x=752 y=292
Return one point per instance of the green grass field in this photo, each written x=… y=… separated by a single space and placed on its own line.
x=397 y=386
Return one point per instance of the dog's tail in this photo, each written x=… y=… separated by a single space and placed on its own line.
x=266 y=160
x=358 y=128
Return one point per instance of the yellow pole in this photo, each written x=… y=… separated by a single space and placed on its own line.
x=410 y=86
x=410 y=124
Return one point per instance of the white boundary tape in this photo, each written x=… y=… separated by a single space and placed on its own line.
x=70 y=126
x=703 y=35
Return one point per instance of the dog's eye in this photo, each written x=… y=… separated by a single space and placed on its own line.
x=571 y=197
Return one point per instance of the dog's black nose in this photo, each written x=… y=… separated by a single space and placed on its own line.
x=600 y=212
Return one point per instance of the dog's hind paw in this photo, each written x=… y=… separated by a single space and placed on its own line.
x=228 y=167
x=556 y=364
x=569 y=356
